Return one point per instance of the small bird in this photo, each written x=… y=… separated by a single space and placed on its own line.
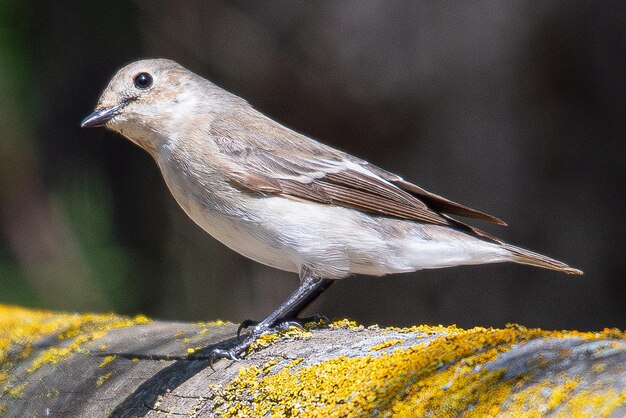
x=283 y=199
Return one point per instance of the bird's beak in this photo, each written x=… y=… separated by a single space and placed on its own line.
x=100 y=117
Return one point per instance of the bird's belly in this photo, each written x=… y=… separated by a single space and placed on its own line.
x=243 y=237
x=288 y=234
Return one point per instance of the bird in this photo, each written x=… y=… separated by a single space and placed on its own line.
x=284 y=199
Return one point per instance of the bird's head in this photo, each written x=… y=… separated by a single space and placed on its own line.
x=148 y=100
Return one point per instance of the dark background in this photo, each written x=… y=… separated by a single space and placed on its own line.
x=515 y=108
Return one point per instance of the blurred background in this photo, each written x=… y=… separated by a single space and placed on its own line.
x=515 y=108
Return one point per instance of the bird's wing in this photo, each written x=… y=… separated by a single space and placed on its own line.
x=436 y=202
x=269 y=159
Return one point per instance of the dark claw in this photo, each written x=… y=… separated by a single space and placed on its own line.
x=245 y=324
x=231 y=354
x=220 y=353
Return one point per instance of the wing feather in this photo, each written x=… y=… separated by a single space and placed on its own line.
x=267 y=158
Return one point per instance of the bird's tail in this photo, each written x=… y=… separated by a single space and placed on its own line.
x=522 y=256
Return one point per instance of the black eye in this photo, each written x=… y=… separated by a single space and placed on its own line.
x=143 y=80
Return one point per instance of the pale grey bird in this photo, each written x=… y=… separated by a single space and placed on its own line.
x=284 y=199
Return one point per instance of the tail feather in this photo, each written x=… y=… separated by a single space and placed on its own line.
x=522 y=256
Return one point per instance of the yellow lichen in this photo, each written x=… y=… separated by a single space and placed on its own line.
x=107 y=360
x=216 y=323
x=597 y=402
x=560 y=392
x=293 y=363
x=427 y=329
x=444 y=377
x=267 y=367
x=262 y=342
x=16 y=391
x=82 y=329
x=600 y=367
x=20 y=328
x=347 y=324
x=103 y=378
x=352 y=386
x=266 y=340
x=536 y=399
x=141 y=319
x=386 y=344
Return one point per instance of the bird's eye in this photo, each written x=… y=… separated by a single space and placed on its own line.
x=143 y=81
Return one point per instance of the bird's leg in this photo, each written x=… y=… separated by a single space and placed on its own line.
x=291 y=317
x=310 y=287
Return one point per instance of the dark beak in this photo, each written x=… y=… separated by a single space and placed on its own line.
x=100 y=117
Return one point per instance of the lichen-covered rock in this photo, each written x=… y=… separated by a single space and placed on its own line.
x=106 y=365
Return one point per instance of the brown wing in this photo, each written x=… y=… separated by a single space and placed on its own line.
x=438 y=203
x=271 y=159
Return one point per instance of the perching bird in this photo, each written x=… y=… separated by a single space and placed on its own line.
x=284 y=199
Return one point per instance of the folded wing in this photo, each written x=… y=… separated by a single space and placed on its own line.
x=269 y=159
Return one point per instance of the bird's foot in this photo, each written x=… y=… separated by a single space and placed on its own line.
x=283 y=324
x=234 y=353
x=238 y=351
